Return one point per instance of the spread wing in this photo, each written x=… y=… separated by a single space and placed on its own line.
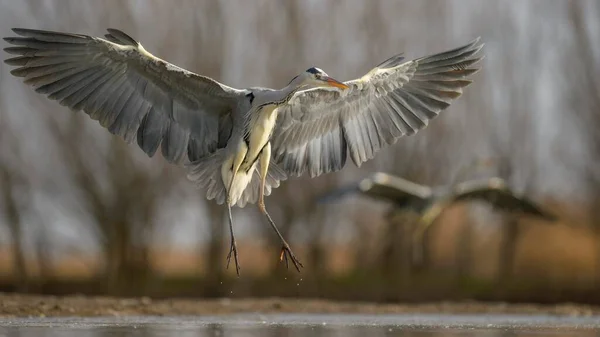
x=383 y=186
x=400 y=191
x=318 y=127
x=128 y=90
x=495 y=192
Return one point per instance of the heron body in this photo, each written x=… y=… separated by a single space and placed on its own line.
x=252 y=148
x=239 y=144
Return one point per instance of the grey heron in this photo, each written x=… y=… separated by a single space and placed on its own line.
x=238 y=144
x=429 y=202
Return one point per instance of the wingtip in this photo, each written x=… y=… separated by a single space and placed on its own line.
x=475 y=41
x=16 y=72
x=116 y=31
x=478 y=47
x=122 y=37
x=13 y=40
x=475 y=44
x=24 y=31
x=15 y=50
x=16 y=61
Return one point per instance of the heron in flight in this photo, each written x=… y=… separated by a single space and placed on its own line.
x=238 y=144
x=429 y=202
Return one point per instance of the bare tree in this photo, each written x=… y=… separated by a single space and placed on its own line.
x=13 y=186
x=585 y=101
x=121 y=192
x=208 y=30
x=514 y=154
x=121 y=196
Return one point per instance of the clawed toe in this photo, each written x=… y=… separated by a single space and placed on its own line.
x=286 y=253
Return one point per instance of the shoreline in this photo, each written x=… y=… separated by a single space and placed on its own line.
x=30 y=305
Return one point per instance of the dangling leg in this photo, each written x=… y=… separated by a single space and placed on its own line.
x=286 y=251
x=237 y=162
x=233 y=246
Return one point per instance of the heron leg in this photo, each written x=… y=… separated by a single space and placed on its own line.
x=233 y=246
x=286 y=251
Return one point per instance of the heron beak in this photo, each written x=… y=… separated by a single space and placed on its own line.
x=334 y=83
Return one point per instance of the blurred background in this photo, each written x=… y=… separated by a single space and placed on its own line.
x=83 y=212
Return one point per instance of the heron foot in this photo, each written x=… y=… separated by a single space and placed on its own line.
x=233 y=251
x=286 y=252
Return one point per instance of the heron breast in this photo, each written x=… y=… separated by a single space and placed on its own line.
x=260 y=132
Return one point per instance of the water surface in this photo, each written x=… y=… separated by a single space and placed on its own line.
x=290 y=325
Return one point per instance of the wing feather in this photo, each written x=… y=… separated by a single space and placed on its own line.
x=318 y=127
x=386 y=187
x=496 y=192
x=131 y=92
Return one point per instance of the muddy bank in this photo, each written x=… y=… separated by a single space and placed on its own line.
x=17 y=305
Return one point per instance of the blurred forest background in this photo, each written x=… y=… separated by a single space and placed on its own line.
x=81 y=211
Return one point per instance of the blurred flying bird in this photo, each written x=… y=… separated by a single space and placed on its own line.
x=429 y=202
x=238 y=144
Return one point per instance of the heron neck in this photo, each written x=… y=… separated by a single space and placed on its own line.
x=289 y=91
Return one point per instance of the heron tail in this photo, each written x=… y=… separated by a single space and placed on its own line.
x=206 y=174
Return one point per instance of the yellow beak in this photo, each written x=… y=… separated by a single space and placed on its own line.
x=335 y=83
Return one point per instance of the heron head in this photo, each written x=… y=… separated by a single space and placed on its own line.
x=316 y=77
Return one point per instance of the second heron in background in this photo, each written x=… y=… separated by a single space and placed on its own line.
x=429 y=202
